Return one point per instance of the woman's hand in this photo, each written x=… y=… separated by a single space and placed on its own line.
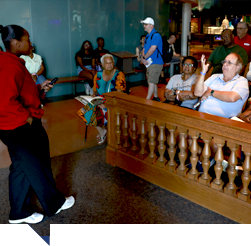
x=245 y=116
x=46 y=85
x=34 y=77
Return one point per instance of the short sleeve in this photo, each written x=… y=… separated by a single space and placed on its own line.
x=156 y=38
x=120 y=82
x=169 y=85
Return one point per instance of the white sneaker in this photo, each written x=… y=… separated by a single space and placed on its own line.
x=32 y=219
x=69 y=202
x=91 y=91
x=87 y=89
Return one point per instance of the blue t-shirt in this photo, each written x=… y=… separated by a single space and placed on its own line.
x=217 y=107
x=154 y=39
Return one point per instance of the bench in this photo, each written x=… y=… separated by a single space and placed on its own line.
x=71 y=79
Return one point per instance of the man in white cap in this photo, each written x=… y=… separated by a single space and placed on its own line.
x=152 y=56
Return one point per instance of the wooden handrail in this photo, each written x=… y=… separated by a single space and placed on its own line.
x=141 y=140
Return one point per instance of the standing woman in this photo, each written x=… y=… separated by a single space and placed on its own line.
x=27 y=143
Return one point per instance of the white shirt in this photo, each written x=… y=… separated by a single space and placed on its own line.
x=33 y=65
x=177 y=83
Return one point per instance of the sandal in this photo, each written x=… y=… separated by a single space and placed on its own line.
x=102 y=139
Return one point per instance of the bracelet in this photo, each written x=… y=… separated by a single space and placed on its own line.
x=202 y=73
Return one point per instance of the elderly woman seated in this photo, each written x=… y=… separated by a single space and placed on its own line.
x=110 y=79
x=179 y=90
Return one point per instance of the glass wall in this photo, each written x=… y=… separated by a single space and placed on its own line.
x=58 y=27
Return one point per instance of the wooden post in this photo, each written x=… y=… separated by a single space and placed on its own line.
x=152 y=143
x=217 y=183
x=125 y=134
x=143 y=140
x=230 y=188
x=118 y=130
x=205 y=178
x=161 y=147
x=193 y=173
x=171 y=165
x=244 y=193
x=134 y=136
x=182 y=169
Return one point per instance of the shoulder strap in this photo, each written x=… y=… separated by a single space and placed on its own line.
x=153 y=34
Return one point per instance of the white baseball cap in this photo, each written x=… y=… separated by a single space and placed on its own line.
x=148 y=20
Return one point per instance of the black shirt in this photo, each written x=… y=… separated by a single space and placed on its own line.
x=99 y=53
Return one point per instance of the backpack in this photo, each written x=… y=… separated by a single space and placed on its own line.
x=167 y=52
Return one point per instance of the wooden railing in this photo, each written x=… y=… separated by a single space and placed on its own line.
x=142 y=139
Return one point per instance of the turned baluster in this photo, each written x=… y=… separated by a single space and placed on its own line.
x=171 y=165
x=134 y=135
x=125 y=134
x=230 y=188
x=244 y=193
x=217 y=183
x=182 y=169
x=143 y=140
x=118 y=131
x=193 y=173
x=205 y=178
x=161 y=147
x=152 y=143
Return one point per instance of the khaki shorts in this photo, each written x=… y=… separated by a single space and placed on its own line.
x=153 y=72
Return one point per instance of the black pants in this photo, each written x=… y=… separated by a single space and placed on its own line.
x=30 y=170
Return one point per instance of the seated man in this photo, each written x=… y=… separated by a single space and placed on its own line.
x=173 y=55
x=100 y=51
x=179 y=89
x=222 y=94
x=219 y=54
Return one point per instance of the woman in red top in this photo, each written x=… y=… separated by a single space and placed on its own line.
x=27 y=143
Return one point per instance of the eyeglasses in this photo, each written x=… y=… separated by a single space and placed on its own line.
x=228 y=62
x=187 y=64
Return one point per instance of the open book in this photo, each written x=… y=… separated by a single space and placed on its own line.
x=89 y=99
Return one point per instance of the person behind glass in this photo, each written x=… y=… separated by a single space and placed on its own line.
x=179 y=89
x=99 y=52
x=174 y=57
x=110 y=79
x=139 y=51
x=85 y=61
x=27 y=143
x=35 y=66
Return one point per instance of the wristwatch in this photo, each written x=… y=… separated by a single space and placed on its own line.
x=212 y=92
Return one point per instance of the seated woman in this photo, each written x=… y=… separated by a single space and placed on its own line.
x=138 y=51
x=110 y=79
x=85 y=61
x=35 y=66
x=179 y=90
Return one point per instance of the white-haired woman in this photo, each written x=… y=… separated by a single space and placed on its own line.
x=107 y=80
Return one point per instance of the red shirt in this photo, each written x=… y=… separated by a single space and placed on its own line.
x=19 y=95
x=244 y=42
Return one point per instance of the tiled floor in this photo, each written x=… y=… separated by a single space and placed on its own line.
x=66 y=130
